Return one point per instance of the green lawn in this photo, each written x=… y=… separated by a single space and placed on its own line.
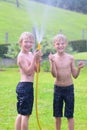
x=16 y=20
x=8 y=81
x=81 y=56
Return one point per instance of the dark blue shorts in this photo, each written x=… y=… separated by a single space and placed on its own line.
x=25 y=98
x=63 y=101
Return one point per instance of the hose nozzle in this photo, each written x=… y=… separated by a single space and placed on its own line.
x=39 y=46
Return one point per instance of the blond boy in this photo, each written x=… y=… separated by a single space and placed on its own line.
x=26 y=61
x=63 y=68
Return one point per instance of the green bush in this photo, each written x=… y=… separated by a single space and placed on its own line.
x=79 y=45
x=3 y=50
x=45 y=66
x=13 y=50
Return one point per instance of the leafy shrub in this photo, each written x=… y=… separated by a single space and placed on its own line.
x=13 y=50
x=79 y=45
x=45 y=66
x=3 y=50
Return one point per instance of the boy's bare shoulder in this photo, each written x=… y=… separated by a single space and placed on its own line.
x=66 y=54
x=70 y=56
x=20 y=55
x=21 y=58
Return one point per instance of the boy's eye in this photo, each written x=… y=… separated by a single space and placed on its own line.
x=57 y=43
x=28 y=42
x=62 y=43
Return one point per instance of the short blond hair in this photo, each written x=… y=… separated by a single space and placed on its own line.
x=59 y=37
x=26 y=35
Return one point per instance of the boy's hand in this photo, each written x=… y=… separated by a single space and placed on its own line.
x=51 y=57
x=38 y=55
x=81 y=64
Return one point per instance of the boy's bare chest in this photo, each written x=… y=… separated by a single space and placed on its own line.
x=64 y=63
x=28 y=58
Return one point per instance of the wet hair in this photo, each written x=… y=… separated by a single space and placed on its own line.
x=59 y=37
x=26 y=35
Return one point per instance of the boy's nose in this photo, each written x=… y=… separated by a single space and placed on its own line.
x=60 y=45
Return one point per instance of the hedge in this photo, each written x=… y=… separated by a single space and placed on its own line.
x=79 y=45
x=3 y=50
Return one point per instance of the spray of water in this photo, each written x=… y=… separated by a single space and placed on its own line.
x=39 y=34
x=39 y=21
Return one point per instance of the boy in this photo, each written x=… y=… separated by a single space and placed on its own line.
x=63 y=68
x=26 y=61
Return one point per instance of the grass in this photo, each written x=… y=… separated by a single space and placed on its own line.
x=8 y=81
x=12 y=21
x=80 y=55
x=16 y=20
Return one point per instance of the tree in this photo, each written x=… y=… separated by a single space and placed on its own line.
x=75 y=5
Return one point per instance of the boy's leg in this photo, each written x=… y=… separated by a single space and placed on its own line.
x=18 y=122
x=58 y=123
x=24 y=122
x=69 y=107
x=70 y=123
x=57 y=106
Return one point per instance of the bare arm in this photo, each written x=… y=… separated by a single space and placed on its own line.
x=52 y=65
x=37 y=62
x=76 y=71
x=27 y=67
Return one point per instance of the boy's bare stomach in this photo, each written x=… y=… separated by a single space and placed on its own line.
x=25 y=78
x=64 y=81
x=63 y=84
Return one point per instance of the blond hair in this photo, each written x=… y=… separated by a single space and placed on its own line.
x=59 y=37
x=26 y=35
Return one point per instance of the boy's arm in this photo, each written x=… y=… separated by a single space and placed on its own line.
x=53 y=68
x=37 y=62
x=52 y=65
x=25 y=66
x=76 y=71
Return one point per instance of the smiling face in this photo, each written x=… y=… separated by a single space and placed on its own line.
x=26 y=41
x=60 y=43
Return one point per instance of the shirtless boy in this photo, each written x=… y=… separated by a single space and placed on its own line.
x=26 y=61
x=63 y=68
